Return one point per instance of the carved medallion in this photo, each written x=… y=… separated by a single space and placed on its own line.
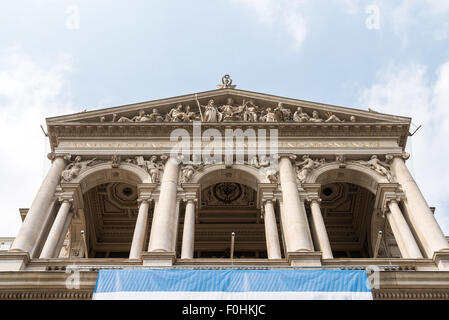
x=227 y=191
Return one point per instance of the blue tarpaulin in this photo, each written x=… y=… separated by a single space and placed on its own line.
x=178 y=284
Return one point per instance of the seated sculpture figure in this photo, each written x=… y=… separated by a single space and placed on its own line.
x=300 y=116
x=189 y=115
x=155 y=116
x=175 y=114
x=315 y=117
x=231 y=112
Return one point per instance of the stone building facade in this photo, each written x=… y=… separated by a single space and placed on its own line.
x=332 y=191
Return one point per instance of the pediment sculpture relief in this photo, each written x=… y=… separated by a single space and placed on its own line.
x=230 y=111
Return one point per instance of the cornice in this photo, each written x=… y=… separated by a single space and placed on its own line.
x=411 y=294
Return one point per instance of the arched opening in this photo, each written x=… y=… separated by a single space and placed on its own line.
x=228 y=207
x=348 y=197
x=228 y=204
x=110 y=210
x=347 y=209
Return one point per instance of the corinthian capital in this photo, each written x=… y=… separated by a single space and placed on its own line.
x=290 y=156
x=52 y=156
x=404 y=155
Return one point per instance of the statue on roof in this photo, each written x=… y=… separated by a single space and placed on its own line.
x=226 y=83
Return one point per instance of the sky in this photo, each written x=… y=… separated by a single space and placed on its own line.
x=59 y=57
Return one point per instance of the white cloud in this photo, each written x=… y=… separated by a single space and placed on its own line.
x=296 y=25
x=287 y=14
x=349 y=6
x=408 y=90
x=437 y=6
x=267 y=11
x=428 y=17
x=30 y=90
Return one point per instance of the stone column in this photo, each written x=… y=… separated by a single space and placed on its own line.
x=188 y=234
x=421 y=217
x=295 y=227
x=320 y=229
x=56 y=231
x=175 y=226
x=162 y=228
x=404 y=237
x=64 y=232
x=30 y=229
x=140 y=230
x=271 y=231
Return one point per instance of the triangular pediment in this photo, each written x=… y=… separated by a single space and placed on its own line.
x=262 y=108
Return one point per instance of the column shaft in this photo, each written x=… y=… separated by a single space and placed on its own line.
x=56 y=231
x=188 y=234
x=66 y=228
x=139 y=230
x=161 y=236
x=320 y=229
x=295 y=227
x=175 y=224
x=421 y=217
x=404 y=237
x=30 y=229
x=46 y=227
x=271 y=232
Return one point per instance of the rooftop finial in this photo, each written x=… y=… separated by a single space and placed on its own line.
x=227 y=83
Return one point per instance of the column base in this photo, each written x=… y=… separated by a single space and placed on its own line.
x=305 y=259
x=441 y=260
x=13 y=261
x=158 y=259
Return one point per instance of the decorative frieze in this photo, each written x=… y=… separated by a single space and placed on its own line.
x=230 y=111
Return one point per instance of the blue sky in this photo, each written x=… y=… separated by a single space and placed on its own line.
x=59 y=57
